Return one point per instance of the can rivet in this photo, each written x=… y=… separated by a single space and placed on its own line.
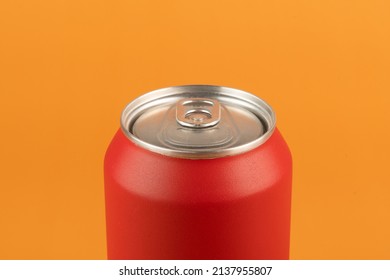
x=198 y=112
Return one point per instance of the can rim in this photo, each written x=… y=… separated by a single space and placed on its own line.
x=170 y=94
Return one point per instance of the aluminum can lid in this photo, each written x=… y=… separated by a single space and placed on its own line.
x=198 y=121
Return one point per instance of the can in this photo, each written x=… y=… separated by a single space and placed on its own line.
x=198 y=172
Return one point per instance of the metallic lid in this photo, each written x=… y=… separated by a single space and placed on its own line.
x=198 y=121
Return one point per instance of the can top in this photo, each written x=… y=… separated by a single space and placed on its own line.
x=198 y=121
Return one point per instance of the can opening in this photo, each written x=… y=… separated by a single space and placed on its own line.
x=198 y=112
x=198 y=116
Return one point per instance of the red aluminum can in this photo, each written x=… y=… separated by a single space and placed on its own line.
x=198 y=172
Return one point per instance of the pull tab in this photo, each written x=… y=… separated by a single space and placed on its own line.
x=198 y=112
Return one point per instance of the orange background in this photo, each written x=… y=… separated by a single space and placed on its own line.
x=68 y=68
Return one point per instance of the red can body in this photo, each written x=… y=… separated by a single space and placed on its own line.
x=233 y=207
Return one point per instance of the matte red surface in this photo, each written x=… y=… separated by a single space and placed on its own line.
x=159 y=207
